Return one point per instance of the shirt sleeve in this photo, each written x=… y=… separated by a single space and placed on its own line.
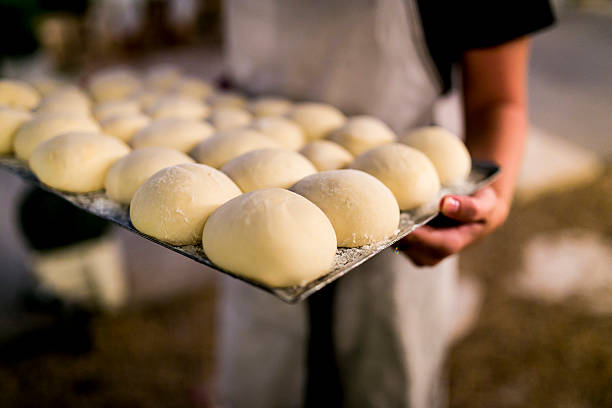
x=453 y=27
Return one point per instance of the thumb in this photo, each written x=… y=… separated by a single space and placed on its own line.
x=468 y=208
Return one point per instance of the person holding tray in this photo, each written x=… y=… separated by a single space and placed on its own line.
x=378 y=336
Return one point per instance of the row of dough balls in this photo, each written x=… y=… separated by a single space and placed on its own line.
x=277 y=225
x=123 y=119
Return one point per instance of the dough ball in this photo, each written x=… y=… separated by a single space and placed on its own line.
x=76 y=162
x=282 y=130
x=148 y=99
x=18 y=94
x=361 y=133
x=124 y=127
x=46 y=84
x=162 y=77
x=407 y=172
x=227 y=100
x=178 y=134
x=109 y=109
x=173 y=204
x=272 y=236
x=228 y=118
x=191 y=87
x=267 y=168
x=316 y=119
x=361 y=208
x=113 y=84
x=68 y=99
x=129 y=172
x=326 y=155
x=178 y=107
x=224 y=146
x=445 y=150
x=10 y=120
x=47 y=126
x=270 y=106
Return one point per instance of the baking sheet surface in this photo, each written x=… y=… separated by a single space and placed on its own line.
x=346 y=258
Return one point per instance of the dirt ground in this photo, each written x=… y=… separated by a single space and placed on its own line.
x=520 y=354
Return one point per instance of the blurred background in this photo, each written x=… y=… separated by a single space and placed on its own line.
x=535 y=319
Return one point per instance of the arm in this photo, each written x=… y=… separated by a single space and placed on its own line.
x=494 y=85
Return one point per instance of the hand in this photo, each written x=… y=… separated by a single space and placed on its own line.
x=478 y=215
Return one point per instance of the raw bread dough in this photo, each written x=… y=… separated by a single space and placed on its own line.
x=316 y=119
x=173 y=204
x=106 y=110
x=10 y=120
x=407 y=172
x=148 y=99
x=361 y=208
x=282 y=130
x=46 y=126
x=224 y=146
x=114 y=84
x=162 y=77
x=445 y=150
x=18 y=94
x=128 y=173
x=68 y=99
x=326 y=155
x=362 y=133
x=272 y=236
x=124 y=127
x=178 y=107
x=267 y=168
x=191 y=87
x=46 y=84
x=178 y=134
x=269 y=106
x=227 y=99
x=228 y=118
x=76 y=162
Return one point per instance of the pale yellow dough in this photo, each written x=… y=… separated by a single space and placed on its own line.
x=178 y=134
x=10 y=120
x=178 y=107
x=270 y=106
x=362 y=133
x=124 y=127
x=316 y=119
x=76 y=162
x=326 y=155
x=68 y=99
x=360 y=207
x=162 y=77
x=224 y=146
x=272 y=236
x=407 y=172
x=228 y=118
x=109 y=109
x=267 y=168
x=18 y=94
x=446 y=151
x=46 y=126
x=174 y=203
x=227 y=99
x=128 y=173
x=114 y=84
x=193 y=88
x=282 y=130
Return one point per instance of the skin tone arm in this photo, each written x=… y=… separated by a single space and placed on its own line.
x=495 y=103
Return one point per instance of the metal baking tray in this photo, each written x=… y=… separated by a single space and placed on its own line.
x=346 y=258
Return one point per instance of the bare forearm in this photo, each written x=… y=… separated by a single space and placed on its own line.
x=497 y=132
x=496 y=107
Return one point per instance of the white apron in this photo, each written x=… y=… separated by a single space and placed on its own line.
x=391 y=318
